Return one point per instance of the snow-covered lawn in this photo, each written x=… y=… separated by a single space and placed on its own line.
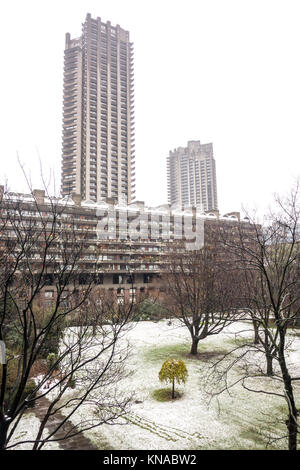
x=27 y=430
x=241 y=420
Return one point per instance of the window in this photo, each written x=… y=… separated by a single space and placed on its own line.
x=132 y=295
x=65 y=300
x=147 y=278
x=118 y=279
x=49 y=294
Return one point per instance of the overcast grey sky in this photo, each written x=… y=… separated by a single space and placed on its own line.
x=221 y=71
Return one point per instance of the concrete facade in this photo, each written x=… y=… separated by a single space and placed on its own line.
x=192 y=176
x=98 y=114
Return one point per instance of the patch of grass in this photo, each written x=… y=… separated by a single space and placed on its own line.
x=239 y=342
x=249 y=435
x=165 y=394
x=180 y=351
x=282 y=409
x=268 y=435
x=256 y=429
x=292 y=324
x=255 y=436
x=161 y=353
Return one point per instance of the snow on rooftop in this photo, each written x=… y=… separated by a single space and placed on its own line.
x=19 y=197
x=88 y=203
x=67 y=200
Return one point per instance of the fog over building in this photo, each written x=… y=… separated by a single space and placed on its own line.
x=192 y=176
x=98 y=122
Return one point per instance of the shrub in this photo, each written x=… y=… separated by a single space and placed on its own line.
x=150 y=310
x=173 y=370
x=72 y=383
x=52 y=337
x=51 y=360
x=29 y=392
x=12 y=383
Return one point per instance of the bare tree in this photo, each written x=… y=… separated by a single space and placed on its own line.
x=267 y=259
x=40 y=245
x=199 y=292
x=254 y=297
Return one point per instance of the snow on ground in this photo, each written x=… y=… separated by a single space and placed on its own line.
x=241 y=419
x=27 y=430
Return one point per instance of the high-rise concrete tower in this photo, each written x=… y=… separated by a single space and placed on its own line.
x=192 y=176
x=98 y=113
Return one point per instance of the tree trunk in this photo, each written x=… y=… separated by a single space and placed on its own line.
x=256 y=330
x=293 y=412
x=194 y=348
x=292 y=432
x=291 y=422
x=269 y=365
x=173 y=388
x=3 y=434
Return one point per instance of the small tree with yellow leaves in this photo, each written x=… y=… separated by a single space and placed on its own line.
x=173 y=370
